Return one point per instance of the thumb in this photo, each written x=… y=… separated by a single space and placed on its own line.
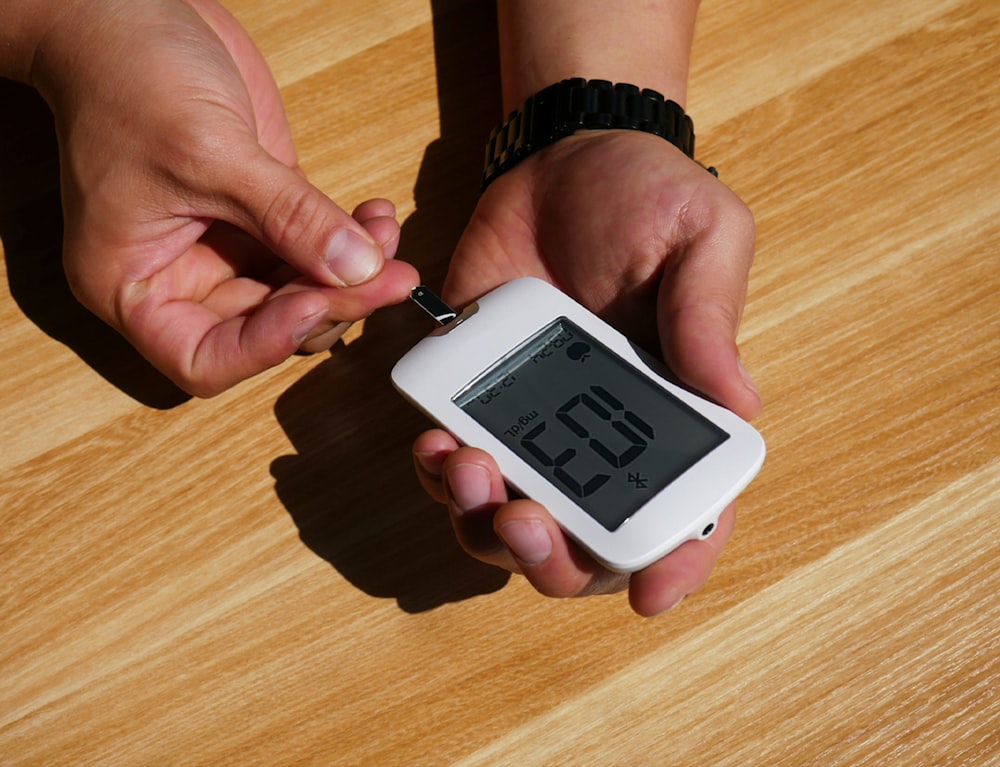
x=300 y=224
x=700 y=308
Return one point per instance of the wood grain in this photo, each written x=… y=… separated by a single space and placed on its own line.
x=257 y=578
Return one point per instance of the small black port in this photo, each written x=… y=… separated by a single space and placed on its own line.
x=708 y=530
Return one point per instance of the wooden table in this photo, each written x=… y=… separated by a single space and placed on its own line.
x=257 y=579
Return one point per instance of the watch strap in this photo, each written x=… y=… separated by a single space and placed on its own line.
x=576 y=104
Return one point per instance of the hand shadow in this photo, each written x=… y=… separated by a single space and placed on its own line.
x=31 y=231
x=351 y=488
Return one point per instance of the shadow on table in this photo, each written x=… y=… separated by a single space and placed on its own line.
x=31 y=230
x=350 y=488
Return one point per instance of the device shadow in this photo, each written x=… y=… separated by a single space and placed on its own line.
x=31 y=228
x=350 y=486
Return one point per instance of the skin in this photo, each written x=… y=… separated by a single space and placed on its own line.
x=189 y=225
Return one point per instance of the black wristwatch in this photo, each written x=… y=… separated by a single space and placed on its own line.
x=577 y=104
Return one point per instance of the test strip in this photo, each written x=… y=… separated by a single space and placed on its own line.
x=431 y=303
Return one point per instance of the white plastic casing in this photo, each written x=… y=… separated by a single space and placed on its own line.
x=441 y=365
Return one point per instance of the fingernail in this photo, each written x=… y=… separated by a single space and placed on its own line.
x=351 y=258
x=469 y=486
x=528 y=541
x=307 y=326
x=748 y=381
x=676 y=604
x=323 y=336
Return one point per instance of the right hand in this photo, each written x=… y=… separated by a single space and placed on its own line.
x=189 y=225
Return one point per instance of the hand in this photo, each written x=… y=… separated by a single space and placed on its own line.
x=661 y=249
x=189 y=225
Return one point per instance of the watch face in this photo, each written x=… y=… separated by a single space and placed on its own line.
x=598 y=429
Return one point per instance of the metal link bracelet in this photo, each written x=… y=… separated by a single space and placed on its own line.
x=576 y=104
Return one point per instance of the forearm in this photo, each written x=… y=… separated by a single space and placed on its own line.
x=647 y=44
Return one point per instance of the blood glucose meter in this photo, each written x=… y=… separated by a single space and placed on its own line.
x=628 y=463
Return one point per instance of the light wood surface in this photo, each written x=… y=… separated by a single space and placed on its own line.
x=257 y=579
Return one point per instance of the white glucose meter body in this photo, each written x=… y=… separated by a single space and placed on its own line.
x=629 y=464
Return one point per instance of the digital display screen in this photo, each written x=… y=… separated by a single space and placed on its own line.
x=602 y=432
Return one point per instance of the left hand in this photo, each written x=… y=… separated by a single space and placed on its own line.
x=649 y=240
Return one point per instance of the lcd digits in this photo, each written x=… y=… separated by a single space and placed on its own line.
x=635 y=447
x=606 y=435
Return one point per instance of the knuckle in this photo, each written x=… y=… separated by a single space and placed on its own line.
x=291 y=218
x=713 y=205
x=196 y=157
